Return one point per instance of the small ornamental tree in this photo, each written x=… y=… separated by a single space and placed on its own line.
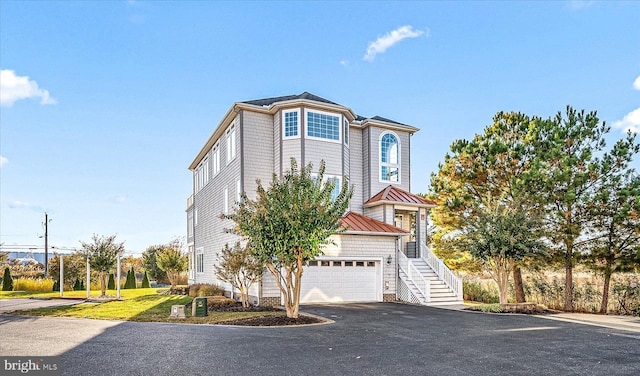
x=288 y=223
x=103 y=254
x=111 y=285
x=7 y=281
x=172 y=262
x=500 y=236
x=238 y=267
x=145 y=281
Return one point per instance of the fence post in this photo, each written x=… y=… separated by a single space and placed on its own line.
x=61 y=276
x=88 y=279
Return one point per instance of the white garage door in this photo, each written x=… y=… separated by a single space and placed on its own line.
x=339 y=281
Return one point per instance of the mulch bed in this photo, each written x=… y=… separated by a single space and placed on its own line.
x=274 y=321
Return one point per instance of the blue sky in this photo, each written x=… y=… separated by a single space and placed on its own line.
x=105 y=104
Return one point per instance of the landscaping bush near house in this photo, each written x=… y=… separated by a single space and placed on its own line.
x=179 y=290
x=7 y=281
x=215 y=302
x=477 y=292
x=205 y=289
x=33 y=285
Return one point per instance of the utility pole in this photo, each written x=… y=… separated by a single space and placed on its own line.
x=46 y=244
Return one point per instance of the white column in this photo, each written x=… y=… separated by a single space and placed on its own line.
x=61 y=276
x=88 y=280
x=118 y=279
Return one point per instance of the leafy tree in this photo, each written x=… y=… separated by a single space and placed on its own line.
x=173 y=262
x=7 y=281
x=111 y=285
x=500 y=235
x=288 y=223
x=149 y=262
x=3 y=257
x=616 y=223
x=492 y=164
x=103 y=254
x=238 y=267
x=145 y=281
x=562 y=177
x=75 y=266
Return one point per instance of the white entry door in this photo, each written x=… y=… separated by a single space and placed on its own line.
x=340 y=281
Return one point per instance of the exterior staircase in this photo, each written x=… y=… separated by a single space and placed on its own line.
x=426 y=280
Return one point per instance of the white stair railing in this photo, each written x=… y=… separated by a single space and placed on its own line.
x=414 y=275
x=443 y=272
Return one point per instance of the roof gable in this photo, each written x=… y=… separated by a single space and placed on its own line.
x=306 y=95
x=393 y=194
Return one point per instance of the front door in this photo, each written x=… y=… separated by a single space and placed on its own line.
x=398 y=221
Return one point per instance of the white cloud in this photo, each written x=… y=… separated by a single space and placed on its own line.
x=344 y=63
x=25 y=205
x=3 y=161
x=631 y=122
x=580 y=4
x=13 y=88
x=381 y=44
x=118 y=199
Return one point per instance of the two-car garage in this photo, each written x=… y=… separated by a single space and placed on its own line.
x=341 y=280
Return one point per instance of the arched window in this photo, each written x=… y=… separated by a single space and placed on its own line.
x=389 y=158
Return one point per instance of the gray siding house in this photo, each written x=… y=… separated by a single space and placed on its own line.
x=383 y=253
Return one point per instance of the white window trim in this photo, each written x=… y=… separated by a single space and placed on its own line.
x=345 y=130
x=195 y=217
x=327 y=177
x=306 y=126
x=231 y=143
x=284 y=137
x=396 y=165
x=199 y=265
x=201 y=174
x=216 y=158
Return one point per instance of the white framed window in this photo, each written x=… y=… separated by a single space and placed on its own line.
x=331 y=178
x=201 y=174
x=389 y=158
x=195 y=216
x=231 y=143
x=291 y=124
x=238 y=191
x=225 y=199
x=324 y=126
x=345 y=131
x=216 y=158
x=200 y=260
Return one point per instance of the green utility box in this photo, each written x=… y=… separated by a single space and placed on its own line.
x=199 y=307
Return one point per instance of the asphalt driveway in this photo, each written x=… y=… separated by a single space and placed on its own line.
x=366 y=339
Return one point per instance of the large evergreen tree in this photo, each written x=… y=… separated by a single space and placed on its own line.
x=563 y=177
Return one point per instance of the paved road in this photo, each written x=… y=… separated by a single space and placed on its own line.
x=20 y=304
x=366 y=339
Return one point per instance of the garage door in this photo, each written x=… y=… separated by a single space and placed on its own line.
x=339 y=281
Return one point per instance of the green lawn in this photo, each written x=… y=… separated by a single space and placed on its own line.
x=142 y=305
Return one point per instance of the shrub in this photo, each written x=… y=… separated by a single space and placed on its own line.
x=205 y=289
x=475 y=292
x=111 y=285
x=179 y=290
x=214 y=302
x=33 y=285
x=145 y=281
x=56 y=286
x=7 y=281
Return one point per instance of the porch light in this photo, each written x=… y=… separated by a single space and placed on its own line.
x=389 y=260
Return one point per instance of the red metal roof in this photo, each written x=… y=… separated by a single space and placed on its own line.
x=395 y=194
x=358 y=222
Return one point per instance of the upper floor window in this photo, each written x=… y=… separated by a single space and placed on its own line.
x=389 y=158
x=201 y=174
x=336 y=187
x=216 y=159
x=231 y=143
x=190 y=224
x=323 y=125
x=290 y=124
